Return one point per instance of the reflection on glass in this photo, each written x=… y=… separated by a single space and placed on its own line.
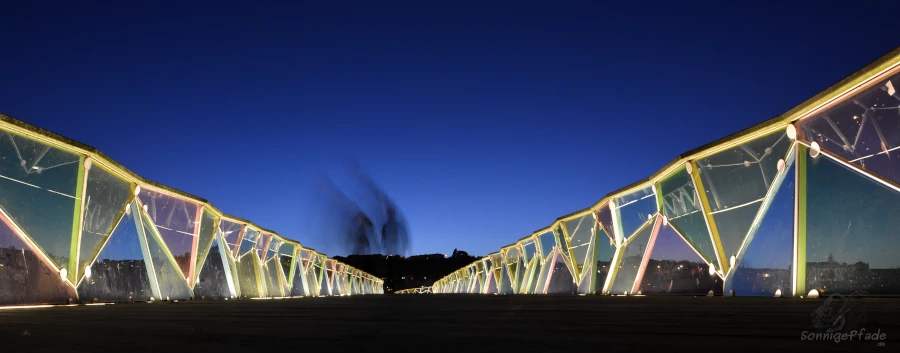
x=39 y=185
x=212 y=281
x=681 y=205
x=232 y=232
x=104 y=204
x=851 y=234
x=299 y=286
x=561 y=280
x=675 y=268
x=25 y=278
x=736 y=181
x=208 y=228
x=264 y=240
x=635 y=209
x=119 y=273
x=631 y=261
x=247 y=270
x=273 y=285
x=547 y=241
x=765 y=266
x=580 y=235
x=172 y=283
x=248 y=243
x=863 y=129
x=604 y=216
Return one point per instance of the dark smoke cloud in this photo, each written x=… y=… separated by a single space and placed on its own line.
x=383 y=230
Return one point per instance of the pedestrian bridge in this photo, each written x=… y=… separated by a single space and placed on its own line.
x=804 y=204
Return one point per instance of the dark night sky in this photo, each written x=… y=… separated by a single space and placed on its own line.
x=485 y=121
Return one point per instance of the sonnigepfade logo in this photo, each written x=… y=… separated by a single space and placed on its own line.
x=842 y=318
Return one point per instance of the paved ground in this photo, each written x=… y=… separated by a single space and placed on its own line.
x=436 y=323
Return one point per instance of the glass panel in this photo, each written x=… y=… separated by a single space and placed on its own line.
x=273 y=285
x=580 y=235
x=207 y=233
x=675 y=268
x=299 y=282
x=585 y=286
x=631 y=261
x=561 y=280
x=605 y=218
x=491 y=287
x=104 y=204
x=232 y=232
x=262 y=244
x=635 y=209
x=39 y=186
x=172 y=283
x=170 y=212
x=765 y=266
x=548 y=241
x=249 y=242
x=247 y=273
x=851 y=231
x=286 y=263
x=212 y=281
x=323 y=287
x=864 y=129
x=606 y=250
x=25 y=278
x=119 y=274
x=682 y=206
x=506 y=283
x=736 y=182
x=312 y=281
x=530 y=250
x=541 y=281
x=176 y=220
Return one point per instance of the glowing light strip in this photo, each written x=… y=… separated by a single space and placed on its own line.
x=736 y=207
x=873 y=155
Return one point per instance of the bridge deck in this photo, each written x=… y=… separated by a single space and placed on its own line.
x=438 y=323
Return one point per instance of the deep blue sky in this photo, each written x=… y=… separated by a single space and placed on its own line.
x=484 y=121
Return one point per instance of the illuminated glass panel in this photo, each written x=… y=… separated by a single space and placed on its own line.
x=119 y=273
x=851 y=231
x=212 y=281
x=581 y=232
x=631 y=261
x=172 y=282
x=736 y=181
x=674 y=268
x=247 y=275
x=248 y=243
x=561 y=280
x=39 y=185
x=105 y=199
x=635 y=209
x=681 y=205
x=208 y=228
x=605 y=251
x=604 y=216
x=25 y=278
x=765 y=266
x=273 y=285
x=176 y=220
x=547 y=241
x=232 y=232
x=863 y=129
